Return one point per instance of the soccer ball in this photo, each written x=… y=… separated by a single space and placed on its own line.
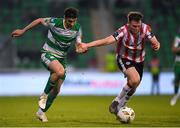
x=126 y=115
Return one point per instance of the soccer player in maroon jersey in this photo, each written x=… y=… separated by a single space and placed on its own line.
x=130 y=54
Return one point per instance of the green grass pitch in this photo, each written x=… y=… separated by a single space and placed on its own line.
x=88 y=111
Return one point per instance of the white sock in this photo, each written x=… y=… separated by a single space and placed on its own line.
x=40 y=111
x=44 y=94
x=123 y=93
x=123 y=101
x=176 y=96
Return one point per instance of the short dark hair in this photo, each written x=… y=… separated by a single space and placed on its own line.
x=137 y=16
x=71 y=12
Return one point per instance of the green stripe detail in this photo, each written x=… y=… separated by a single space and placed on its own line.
x=76 y=27
x=59 y=22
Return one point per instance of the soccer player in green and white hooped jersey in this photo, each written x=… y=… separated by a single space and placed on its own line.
x=62 y=32
x=176 y=51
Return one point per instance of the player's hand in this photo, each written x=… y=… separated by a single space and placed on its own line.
x=17 y=33
x=81 y=48
x=155 y=46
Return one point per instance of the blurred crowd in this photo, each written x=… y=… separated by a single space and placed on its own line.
x=163 y=15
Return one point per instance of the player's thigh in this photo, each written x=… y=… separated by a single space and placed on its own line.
x=52 y=63
x=128 y=68
x=132 y=73
x=132 y=76
x=56 y=67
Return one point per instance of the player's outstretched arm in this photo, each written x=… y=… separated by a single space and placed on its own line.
x=20 y=32
x=83 y=47
x=105 y=41
x=155 y=43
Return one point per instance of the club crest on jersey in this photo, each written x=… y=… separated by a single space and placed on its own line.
x=128 y=63
x=52 y=57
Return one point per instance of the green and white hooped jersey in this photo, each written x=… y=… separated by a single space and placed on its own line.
x=177 y=45
x=59 y=38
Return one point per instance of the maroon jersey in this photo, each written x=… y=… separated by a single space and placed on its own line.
x=131 y=46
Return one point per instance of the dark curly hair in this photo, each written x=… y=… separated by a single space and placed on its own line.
x=71 y=12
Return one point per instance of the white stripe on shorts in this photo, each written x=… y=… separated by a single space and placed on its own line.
x=121 y=63
x=44 y=59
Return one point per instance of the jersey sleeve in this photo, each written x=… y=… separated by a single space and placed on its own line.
x=176 y=41
x=79 y=35
x=118 y=34
x=50 y=21
x=149 y=34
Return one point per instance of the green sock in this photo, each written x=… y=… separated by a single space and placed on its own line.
x=49 y=102
x=176 y=88
x=49 y=86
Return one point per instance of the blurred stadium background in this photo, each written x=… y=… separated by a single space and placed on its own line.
x=98 y=18
x=93 y=73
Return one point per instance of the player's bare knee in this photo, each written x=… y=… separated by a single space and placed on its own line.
x=60 y=74
x=134 y=82
x=55 y=77
x=137 y=80
x=130 y=84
